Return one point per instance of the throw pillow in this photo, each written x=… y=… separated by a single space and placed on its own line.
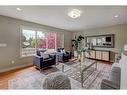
x=41 y=53
x=61 y=51
x=64 y=52
x=45 y=56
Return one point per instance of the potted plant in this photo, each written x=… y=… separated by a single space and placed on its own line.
x=76 y=44
x=78 y=50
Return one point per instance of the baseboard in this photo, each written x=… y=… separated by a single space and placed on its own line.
x=15 y=67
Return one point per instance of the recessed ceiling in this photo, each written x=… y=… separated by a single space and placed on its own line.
x=56 y=16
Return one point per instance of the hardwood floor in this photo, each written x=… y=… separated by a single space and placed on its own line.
x=5 y=76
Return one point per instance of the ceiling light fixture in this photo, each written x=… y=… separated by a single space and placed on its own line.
x=75 y=13
x=18 y=9
x=116 y=16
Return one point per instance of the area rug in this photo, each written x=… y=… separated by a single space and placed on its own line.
x=92 y=78
x=33 y=80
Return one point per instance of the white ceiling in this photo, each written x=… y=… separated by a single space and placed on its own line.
x=56 y=16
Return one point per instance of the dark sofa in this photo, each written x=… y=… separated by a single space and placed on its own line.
x=41 y=63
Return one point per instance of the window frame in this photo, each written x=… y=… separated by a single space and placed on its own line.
x=45 y=35
x=46 y=31
x=21 y=30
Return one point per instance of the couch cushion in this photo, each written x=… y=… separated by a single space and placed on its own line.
x=47 y=59
x=116 y=69
x=123 y=63
x=115 y=75
x=44 y=55
x=38 y=52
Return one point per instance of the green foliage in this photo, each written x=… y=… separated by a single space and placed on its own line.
x=33 y=41
x=86 y=50
x=76 y=44
x=23 y=39
x=77 y=41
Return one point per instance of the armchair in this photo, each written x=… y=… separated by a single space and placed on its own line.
x=41 y=62
x=63 y=56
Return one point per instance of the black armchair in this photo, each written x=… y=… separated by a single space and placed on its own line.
x=41 y=63
x=63 y=56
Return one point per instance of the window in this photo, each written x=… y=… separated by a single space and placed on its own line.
x=32 y=40
x=51 y=40
x=28 y=42
x=41 y=40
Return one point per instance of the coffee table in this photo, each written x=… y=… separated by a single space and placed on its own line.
x=84 y=66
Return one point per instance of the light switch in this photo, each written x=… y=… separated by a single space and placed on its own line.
x=3 y=44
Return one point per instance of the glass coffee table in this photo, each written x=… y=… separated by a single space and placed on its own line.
x=83 y=67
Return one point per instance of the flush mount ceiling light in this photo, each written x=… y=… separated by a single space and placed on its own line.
x=18 y=9
x=75 y=13
x=116 y=16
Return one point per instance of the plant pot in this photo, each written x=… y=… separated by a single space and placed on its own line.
x=79 y=57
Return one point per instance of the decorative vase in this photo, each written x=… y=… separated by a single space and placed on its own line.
x=79 y=58
x=75 y=54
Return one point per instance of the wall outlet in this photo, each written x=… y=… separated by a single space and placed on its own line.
x=12 y=62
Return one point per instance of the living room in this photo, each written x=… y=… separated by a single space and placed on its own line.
x=86 y=44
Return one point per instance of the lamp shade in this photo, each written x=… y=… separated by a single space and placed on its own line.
x=125 y=47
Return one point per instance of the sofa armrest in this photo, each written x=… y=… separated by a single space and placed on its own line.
x=69 y=53
x=107 y=84
x=37 y=60
x=53 y=56
x=37 y=56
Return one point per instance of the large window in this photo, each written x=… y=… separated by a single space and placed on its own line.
x=41 y=40
x=51 y=40
x=32 y=40
x=28 y=42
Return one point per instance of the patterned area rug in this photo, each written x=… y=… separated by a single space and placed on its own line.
x=33 y=80
x=92 y=78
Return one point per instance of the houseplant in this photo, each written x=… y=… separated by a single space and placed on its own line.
x=78 y=50
x=76 y=44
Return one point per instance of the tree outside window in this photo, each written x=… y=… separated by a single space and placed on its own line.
x=35 y=40
x=51 y=40
x=41 y=40
x=28 y=42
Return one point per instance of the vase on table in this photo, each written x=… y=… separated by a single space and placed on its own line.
x=75 y=54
